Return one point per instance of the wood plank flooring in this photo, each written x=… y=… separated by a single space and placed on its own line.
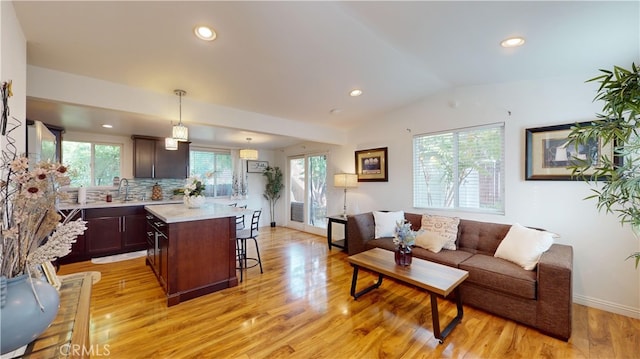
x=301 y=308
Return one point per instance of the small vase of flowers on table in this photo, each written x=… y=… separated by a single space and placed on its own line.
x=403 y=239
x=194 y=193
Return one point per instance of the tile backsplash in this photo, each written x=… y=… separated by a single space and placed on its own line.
x=139 y=189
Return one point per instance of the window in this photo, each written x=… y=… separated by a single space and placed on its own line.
x=461 y=169
x=214 y=168
x=91 y=164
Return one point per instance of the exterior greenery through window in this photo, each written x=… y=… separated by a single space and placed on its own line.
x=311 y=181
x=214 y=169
x=462 y=169
x=91 y=164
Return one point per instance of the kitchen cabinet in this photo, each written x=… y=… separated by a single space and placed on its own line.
x=152 y=160
x=158 y=249
x=114 y=230
x=194 y=257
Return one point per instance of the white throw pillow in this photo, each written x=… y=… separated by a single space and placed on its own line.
x=444 y=226
x=524 y=246
x=430 y=240
x=386 y=223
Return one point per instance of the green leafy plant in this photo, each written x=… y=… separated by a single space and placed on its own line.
x=273 y=189
x=617 y=126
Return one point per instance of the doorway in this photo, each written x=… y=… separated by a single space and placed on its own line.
x=308 y=193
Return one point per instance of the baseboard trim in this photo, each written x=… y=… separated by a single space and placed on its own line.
x=607 y=306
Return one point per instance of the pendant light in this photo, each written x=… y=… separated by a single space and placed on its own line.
x=180 y=132
x=171 y=144
x=248 y=153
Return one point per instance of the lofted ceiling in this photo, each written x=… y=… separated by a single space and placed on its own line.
x=299 y=60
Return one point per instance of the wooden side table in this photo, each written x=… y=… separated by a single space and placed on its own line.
x=341 y=243
x=68 y=335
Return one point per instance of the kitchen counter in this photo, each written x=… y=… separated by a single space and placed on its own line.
x=175 y=213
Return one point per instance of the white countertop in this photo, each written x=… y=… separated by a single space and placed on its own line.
x=104 y=204
x=173 y=213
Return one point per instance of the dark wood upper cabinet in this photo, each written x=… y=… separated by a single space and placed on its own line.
x=152 y=160
x=172 y=164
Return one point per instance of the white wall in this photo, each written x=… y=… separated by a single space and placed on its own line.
x=602 y=277
x=13 y=66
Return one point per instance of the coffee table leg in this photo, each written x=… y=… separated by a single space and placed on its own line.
x=354 y=280
x=436 y=317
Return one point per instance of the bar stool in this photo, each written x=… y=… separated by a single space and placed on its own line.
x=241 y=240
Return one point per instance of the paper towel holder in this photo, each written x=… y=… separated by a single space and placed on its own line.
x=82 y=195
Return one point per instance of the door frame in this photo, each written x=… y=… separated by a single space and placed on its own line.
x=304 y=226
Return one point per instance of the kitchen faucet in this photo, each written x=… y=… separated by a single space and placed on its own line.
x=126 y=188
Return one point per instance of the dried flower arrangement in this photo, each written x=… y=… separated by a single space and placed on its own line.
x=31 y=231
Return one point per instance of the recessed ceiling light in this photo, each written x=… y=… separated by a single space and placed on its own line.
x=205 y=33
x=512 y=42
x=107 y=126
x=355 y=93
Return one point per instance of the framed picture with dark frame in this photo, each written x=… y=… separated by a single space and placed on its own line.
x=256 y=166
x=372 y=166
x=548 y=153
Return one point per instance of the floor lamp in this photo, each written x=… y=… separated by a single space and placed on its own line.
x=345 y=180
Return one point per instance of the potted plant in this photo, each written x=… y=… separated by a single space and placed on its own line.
x=618 y=126
x=273 y=189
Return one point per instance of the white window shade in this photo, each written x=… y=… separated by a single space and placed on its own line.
x=461 y=169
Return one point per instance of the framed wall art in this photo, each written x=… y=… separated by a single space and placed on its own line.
x=256 y=166
x=372 y=166
x=548 y=153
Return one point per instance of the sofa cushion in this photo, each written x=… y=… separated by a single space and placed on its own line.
x=386 y=222
x=481 y=237
x=430 y=240
x=445 y=226
x=500 y=275
x=446 y=257
x=524 y=246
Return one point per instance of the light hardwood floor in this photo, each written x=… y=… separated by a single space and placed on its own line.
x=301 y=308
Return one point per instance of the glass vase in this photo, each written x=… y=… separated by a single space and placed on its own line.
x=194 y=201
x=403 y=255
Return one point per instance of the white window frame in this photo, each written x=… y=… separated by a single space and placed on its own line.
x=92 y=163
x=214 y=151
x=417 y=170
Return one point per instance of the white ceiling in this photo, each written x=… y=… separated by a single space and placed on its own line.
x=299 y=60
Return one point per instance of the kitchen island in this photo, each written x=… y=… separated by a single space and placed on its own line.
x=192 y=251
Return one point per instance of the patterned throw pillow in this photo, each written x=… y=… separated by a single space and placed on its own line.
x=444 y=226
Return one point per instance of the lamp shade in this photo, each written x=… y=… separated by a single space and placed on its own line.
x=170 y=144
x=249 y=154
x=345 y=180
x=180 y=133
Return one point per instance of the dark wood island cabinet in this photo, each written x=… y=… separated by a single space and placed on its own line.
x=192 y=251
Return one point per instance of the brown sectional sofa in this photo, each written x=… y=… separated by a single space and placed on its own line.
x=541 y=298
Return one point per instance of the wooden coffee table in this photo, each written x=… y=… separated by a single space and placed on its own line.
x=436 y=279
